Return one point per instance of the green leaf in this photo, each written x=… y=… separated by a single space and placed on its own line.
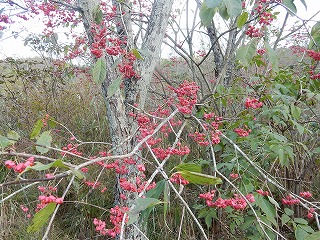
x=203 y=212
x=245 y=53
x=100 y=71
x=200 y=178
x=301 y=221
x=4 y=142
x=192 y=167
x=36 y=129
x=302 y=232
x=98 y=16
x=295 y=111
x=289 y=4
x=273 y=57
x=13 y=136
x=78 y=173
x=143 y=203
x=44 y=139
x=52 y=123
x=299 y=127
x=166 y=199
x=267 y=208
x=242 y=19
x=140 y=205
x=41 y=167
x=315 y=29
x=137 y=54
x=206 y=14
x=113 y=87
x=282 y=159
x=41 y=217
x=284 y=219
x=307 y=228
x=316 y=150
x=315 y=40
x=304 y=3
x=212 y=3
x=155 y=192
x=288 y=211
x=249 y=221
x=234 y=7
x=223 y=11
x=274 y=202
x=313 y=236
x=208 y=220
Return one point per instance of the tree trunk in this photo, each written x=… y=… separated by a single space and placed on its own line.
x=135 y=90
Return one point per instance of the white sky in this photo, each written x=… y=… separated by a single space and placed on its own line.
x=14 y=47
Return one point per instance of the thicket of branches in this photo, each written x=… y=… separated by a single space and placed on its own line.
x=100 y=138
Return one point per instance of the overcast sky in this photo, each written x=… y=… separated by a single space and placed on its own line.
x=14 y=47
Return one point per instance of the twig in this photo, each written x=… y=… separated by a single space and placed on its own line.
x=180 y=228
x=21 y=189
x=56 y=209
x=33 y=180
x=35 y=156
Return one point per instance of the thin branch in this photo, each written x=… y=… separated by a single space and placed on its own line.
x=20 y=190
x=56 y=209
x=33 y=180
x=35 y=156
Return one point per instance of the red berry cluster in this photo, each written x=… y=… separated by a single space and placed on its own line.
x=162 y=153
x=45 y=119
x=289 y=200
x=314 y=55
x=93 y=185
x=126 y=67
x=178 y=179
x=54 y=16
x=242 y=132
x=237 y=202
x=4 y=19
x=305 y=194
x=201 y=53
x=208 y=196
x=263 y=193
x=100 y=41
x=121 y=167
x=71 y=148
x=310 y=213
x=265 y=18
x=211 y=125
x=234 y=175
x=314 y=76
x=116 y=217
x=261 y=51
x=186 y=96
x=146 y=128
x=296 y=49
x=26 y=211
x=254 y=32
x=47 y=197
x=253 y=103
x=20 y=167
